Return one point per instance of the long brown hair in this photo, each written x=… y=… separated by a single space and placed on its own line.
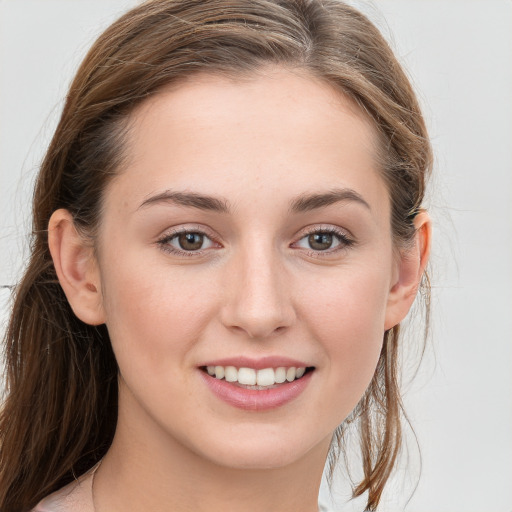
x=60 y=411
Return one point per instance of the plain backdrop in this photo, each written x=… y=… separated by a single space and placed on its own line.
x=459 y=56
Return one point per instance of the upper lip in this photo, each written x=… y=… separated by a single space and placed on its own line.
x=257 y=364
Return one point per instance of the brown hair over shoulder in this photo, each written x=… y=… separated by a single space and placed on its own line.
x=60 y=411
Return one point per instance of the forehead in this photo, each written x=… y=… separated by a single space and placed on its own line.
x=279 y=130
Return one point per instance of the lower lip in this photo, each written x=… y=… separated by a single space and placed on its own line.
x=256 y=400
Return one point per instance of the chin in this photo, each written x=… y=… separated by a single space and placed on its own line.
x=265 y=452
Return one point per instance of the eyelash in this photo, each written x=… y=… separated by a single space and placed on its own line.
x=344 y=240
x=165 y=241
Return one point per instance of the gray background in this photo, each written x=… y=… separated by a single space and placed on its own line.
x=459 y=55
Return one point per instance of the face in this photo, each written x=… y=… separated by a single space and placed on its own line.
x=250 y=229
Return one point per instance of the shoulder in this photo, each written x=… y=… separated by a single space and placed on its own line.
x=74 y=497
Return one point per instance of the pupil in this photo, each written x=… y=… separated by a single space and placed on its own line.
x=320 y=241
x=191 y=241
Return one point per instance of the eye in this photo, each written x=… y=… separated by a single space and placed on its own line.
x=186 y=242
x=324 y=240
x=321 y=241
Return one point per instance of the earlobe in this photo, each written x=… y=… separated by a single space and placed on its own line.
x=410 y=272
x=76 y=267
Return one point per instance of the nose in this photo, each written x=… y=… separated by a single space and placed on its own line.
x=258 y=297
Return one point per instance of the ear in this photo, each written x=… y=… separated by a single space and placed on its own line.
x=76 y=267
x=411 y=267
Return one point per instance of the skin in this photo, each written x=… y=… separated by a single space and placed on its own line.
x=256 y=288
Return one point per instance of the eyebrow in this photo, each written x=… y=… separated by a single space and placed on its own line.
x=308 y=202
x=190 y=199
x=301 y=204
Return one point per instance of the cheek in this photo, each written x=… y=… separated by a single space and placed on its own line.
x=154 y=316
x=347 y=317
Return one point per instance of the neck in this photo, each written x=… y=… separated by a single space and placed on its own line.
x=156 y=472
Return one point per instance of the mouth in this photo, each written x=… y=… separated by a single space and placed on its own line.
x=257 y=384
x=257 y=379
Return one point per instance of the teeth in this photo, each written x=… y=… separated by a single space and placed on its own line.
x=231 y=374
x=265 y=377
x=280 y=375
x=246 y=376
x=261 y=378
x=219 y=372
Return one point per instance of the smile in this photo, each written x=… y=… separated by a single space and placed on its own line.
x=257 y=385
x=258 y=379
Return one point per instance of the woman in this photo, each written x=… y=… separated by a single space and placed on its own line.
x=227 y=234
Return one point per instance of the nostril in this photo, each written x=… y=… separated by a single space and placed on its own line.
x=258 y=330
